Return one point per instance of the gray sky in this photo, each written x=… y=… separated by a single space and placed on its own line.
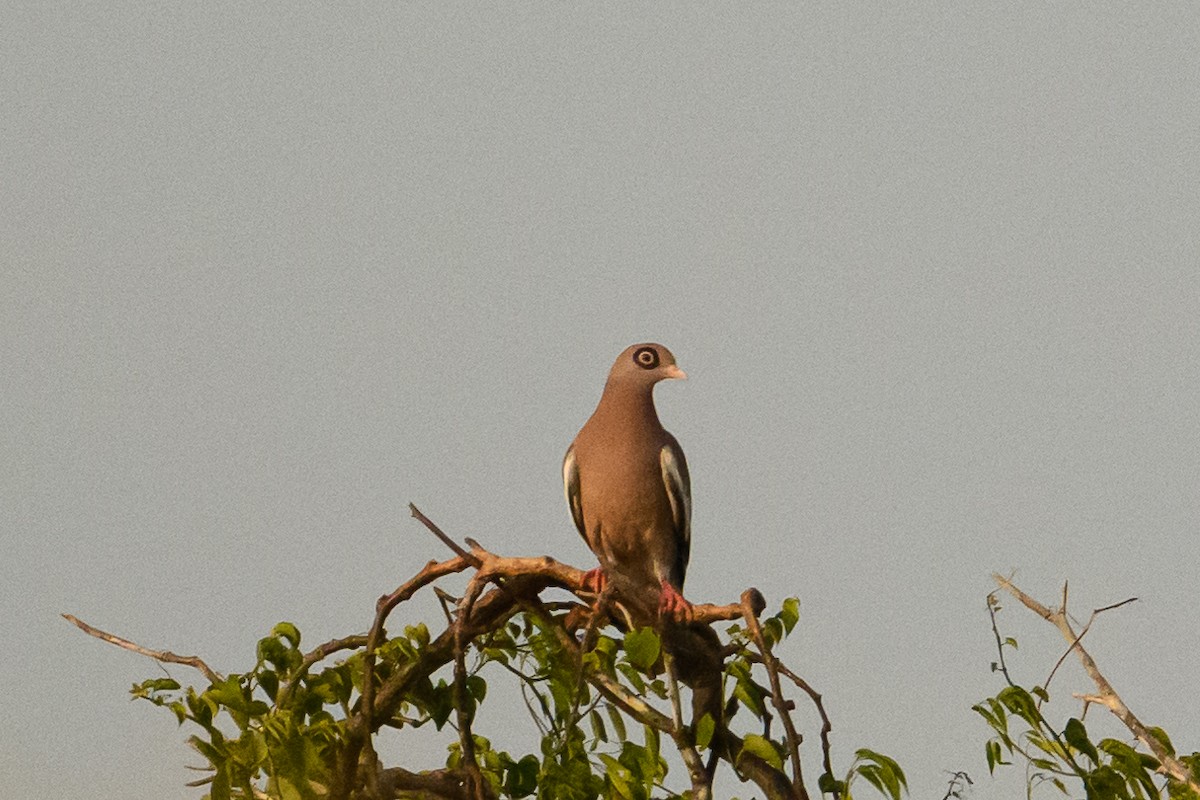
x=272 y=273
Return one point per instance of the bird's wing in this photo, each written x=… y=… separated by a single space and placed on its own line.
x=571 y=488
x=679 y=493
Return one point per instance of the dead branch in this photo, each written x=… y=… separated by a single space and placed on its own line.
x=436 y=531
x=1107 y=696
x=164 y=656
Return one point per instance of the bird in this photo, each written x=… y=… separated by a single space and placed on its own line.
x=627 y=485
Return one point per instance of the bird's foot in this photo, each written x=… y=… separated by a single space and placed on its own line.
x=594 y=581
x=671 y=604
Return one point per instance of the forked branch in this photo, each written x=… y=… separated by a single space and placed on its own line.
x=1106 y=695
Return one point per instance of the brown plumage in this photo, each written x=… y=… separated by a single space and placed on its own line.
x=627 y=482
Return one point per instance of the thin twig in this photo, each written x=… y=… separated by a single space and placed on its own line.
x=318 y=653
x=992 y=605
x=826 y=725
x=631 y=704
x=461 y=642
x=446 y=540
x=955 y=788
x=599 y=613
x=383 y=607
x=445 y=600
x=164 y=656
x=526 y=684
x=1087 y=627
x=781 y=705
x=701 y=781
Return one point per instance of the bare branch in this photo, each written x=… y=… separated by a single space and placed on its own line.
x=446 y=540
x=1107 y=695
x=478 y=788
x=701 y=781
x=437 y=784
x=318 y=653
x=429 y=573
x=164 y=656
x=991 y=605
x=826 y=725
x=782 y=706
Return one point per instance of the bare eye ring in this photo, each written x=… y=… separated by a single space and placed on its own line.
x=646 y=357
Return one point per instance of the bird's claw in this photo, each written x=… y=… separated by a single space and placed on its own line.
x=672 y=605
x=594 y=581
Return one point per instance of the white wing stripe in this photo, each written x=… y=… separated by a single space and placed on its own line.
x=677 y=492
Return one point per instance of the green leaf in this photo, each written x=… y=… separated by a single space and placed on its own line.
x=1076 y=736
x=157 y=685
x=228 y=693
x=618 y=776
x=882 y=771
x=269 y=681
x=418 y=633
x=598 y=730
x=790 y=613
x=618 y=723
x=288 y=789
x=288 y=631
x=705 y=729
x=1105 y=783
x=772 y=630
x=521 y=778
x=994 y=757
x=763 y=748
x=219 y=788
x=751 y=695
x=441 y=703
x=1161 y=735
x=642 y=647
x=633 y=676
x=831 y=785
x=651 y=760
x=477 y=687
x=1018 y=701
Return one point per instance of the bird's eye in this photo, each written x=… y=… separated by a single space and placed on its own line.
x=646 y=357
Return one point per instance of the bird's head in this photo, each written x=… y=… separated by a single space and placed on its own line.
x=645 y=364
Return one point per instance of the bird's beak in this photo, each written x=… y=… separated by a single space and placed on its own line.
x=673 y=371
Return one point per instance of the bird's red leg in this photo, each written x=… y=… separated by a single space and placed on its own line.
x=594 y=580
x=672 y=605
